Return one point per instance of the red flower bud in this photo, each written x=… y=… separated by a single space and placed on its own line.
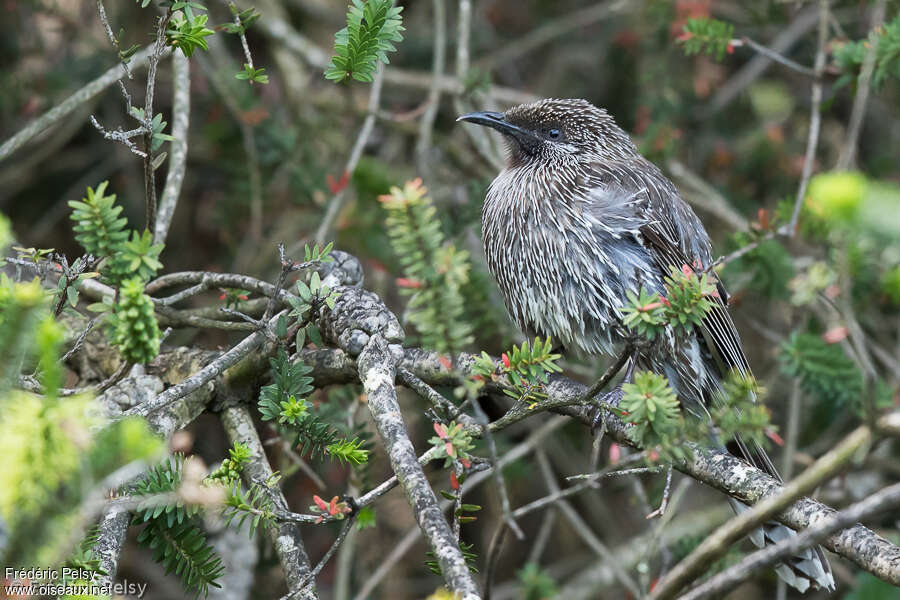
x=505 y=359
x=615 y=453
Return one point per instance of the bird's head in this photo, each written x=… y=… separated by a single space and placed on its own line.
x=554 y=130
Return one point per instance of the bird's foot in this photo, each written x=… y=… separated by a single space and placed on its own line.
x=609 y=399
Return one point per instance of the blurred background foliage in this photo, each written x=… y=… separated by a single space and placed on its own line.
x=819 y=313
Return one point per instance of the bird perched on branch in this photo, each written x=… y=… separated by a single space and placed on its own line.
x=577 y=219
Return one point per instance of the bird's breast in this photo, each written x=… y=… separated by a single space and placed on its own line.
x=560 y=272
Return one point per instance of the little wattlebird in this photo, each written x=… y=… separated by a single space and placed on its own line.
x=577 y=218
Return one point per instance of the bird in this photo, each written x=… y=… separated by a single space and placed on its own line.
x=576 y=220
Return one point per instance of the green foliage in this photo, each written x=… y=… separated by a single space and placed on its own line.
x=21 y=306
x=836 y=197
x=452 y=443
x=157 y=126
x=688 y=298
x=434 y=271
x=470 y=557
x=247 y=17
x=54 y=452
x=768 y=268
x=230 y=469
x=84 y=557
x=653 y=410
x=349 y=451
x=869 y=587
x=685 y=305
x=252 y=75
x=182 y=548
x=365 y=518
x=372 y=27
x=644 y=313
x=313 y=297
x=98 y=227
x=824 y=371
x=138 y=257
x=255 y=503
x=535 y=583
x=708 y=36
x=532 y=363
x=48 y=338
x=890 y=285
x=527 y=368
x=284 y=401
x=188 y=32
x=736 y=412
x=173 y=530
x=651 y=406
x=103 y=234
x=289 y=380
x=850 y=56
x=133 y=324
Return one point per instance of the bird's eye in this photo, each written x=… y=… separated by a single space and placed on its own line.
x=554 y=134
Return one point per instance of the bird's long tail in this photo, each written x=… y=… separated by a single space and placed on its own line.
x=806 y=569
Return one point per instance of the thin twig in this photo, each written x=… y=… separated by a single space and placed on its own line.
x=775 y=56
x=337 y=201
x=312 y=54
x=285 y=536
x=181 y=112
x=79 y=341
x=112 y=38
x=149 y=178
x=311 y=576
x=70 y=104
x=583 y=529
x=607 y=376
x=482 y=420
x=661 y=511
x=426 y=124
x=554 y=29
x=750 y=72
x=847 y=156
x=482 y=143
x=493 y=557
x=248 y=345
x=242 y=34
x=815 y=119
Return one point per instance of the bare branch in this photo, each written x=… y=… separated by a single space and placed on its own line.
x=847 y=157
x=337 y=201
x=426 y=124
x=70 y=104
x=181 y=113
x=815 y=119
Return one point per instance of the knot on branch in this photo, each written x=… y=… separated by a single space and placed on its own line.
x=358 y=315
x=130 y=392
x=344 y=270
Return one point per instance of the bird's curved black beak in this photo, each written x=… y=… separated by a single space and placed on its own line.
x=496 y=120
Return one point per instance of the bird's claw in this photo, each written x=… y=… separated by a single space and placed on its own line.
x=610 y=398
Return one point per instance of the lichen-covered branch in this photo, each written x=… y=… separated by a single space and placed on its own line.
x=284 y=536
